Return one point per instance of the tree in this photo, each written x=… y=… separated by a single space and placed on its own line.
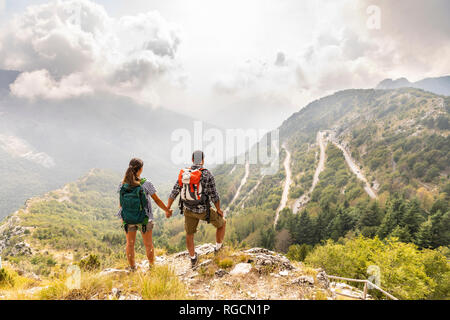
x=267 y=236
x=401 y=233
x=371 y=216
x=283 y=240
x=424 y=236
x=303 y=232
x=321 y=225
x=298 y=252
x=393 y=217
x=440 y=204
x=413 y=217
x=440 y=229
x=341 y=223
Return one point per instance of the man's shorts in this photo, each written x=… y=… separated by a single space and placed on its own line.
x=135 y=227
x=191 y=220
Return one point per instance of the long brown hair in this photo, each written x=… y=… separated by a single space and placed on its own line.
x=131 y=173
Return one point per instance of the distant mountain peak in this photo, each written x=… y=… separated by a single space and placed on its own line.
x=438 y=85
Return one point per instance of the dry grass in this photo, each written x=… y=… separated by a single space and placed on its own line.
x=308 y=271
x=207 y=271
x=160 y=252
x=55 y=291
x=161 y=283
x=225 y=263
x=15 y=287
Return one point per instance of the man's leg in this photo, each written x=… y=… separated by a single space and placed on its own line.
x=190 y=244
x=220 y=232
x=220 y=223
x=190 y=226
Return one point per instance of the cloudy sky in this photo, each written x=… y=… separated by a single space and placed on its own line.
x=235 y=63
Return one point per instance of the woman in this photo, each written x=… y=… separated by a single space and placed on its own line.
x=132 y=180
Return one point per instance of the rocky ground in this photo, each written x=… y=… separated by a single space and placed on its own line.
x=253 y=274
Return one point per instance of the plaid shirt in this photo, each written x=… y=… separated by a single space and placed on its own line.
x=209 y=188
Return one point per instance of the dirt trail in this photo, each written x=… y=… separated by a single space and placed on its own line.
x=287 y=183
x=354 y=167
x=303 y=200
x=242 y=203
x=243 y=182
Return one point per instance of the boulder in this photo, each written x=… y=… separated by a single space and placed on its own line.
x=241 y=268
x=220 y=273
x=10 y=231
x=21 y=248
x=110 y=271
x=263 y=257
x=304 y=280
x=204 y=263
x=323 y=280
x=203 y=249
x=115 y=294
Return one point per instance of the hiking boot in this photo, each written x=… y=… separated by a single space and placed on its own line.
x=216 y=251
x=131 y=269
x=194 y=262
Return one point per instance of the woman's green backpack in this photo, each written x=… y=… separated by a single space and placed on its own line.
x=133 y=202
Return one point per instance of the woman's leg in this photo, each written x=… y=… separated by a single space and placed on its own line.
x=131 y=239
x=148 y=243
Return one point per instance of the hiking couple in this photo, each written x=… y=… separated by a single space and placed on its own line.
x=197 y=190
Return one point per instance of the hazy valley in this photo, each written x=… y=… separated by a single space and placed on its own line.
x=368 y=169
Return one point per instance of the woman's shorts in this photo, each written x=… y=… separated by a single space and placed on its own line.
x=135 y=227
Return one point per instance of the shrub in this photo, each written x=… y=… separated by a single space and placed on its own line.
x=406 y=272
x=89 y=263
x=6 y=279
x=56 y=291
x=298 y=252
x=225 y=263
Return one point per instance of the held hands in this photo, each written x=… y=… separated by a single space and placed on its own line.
x=168 y=212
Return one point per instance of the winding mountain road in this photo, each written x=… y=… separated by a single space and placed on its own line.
x=287 y=183
x=243 y=182
x=355 y=168
x=242 y=203
x=303 y=200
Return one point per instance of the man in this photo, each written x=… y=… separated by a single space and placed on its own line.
x=201 y=211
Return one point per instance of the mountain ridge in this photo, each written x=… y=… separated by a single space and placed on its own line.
x=437 y=85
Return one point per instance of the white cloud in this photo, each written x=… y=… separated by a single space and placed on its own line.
x=282 y=85
x=342 y=53
x=18 y=147
x=70 y=48
x=40 y=85
x=248 y=63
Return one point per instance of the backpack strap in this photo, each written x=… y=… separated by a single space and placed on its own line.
x=145 y=222
x=208 y=204
x=121 y=193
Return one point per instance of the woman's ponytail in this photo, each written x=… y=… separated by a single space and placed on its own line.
x=130 y=177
